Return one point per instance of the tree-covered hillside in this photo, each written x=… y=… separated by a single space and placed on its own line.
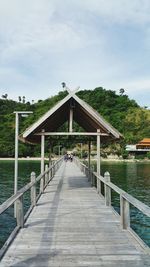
x=124 y=114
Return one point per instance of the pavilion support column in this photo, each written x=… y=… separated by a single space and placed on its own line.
x=71 y=120
x=89 y=158
x=89 y=154
x=42 y=160
x=98 y=162
x=50 y=162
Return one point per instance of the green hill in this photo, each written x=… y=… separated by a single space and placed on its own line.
x=123 y=113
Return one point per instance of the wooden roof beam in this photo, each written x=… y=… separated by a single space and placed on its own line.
x=72 y=133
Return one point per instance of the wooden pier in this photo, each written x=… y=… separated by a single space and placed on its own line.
x=70 y=222
x=72 y=225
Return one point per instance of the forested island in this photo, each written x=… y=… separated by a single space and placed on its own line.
x=123 y=113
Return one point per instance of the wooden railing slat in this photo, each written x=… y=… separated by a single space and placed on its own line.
x=9 y=202
x=132 y=200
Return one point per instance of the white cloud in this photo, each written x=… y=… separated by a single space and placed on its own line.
x=44 y=42
x=121 y=11
x=34 y=25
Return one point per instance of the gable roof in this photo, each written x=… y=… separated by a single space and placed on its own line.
x=83 y=114
x=144 y=141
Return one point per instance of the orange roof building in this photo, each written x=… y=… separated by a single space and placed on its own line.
x=143 y=144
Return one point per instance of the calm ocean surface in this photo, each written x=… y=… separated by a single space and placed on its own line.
x=134 y=178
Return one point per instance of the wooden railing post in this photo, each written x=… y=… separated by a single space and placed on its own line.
x=124 y=212
x=56 y=167
x=98 y=181
x=33 y=189
x=88 y=174
x=49 y=173
x=98 y=186
x=46 y=175
x=53 y=169
x=42 y=184
x=107 y=189
x=92 y=175
x=19 y=212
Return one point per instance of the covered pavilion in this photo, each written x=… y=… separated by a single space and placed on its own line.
x=71 y=109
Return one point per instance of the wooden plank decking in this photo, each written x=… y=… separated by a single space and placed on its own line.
x=71 y=227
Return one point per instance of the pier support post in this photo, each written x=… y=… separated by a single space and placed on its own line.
x=33 y=190
x=124 y=212
x=107 y=189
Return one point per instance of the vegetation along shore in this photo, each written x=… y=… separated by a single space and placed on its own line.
x=123 y=113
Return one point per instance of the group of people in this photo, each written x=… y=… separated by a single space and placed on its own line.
x=68 y=157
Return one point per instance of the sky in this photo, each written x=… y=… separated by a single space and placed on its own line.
x=86 y=43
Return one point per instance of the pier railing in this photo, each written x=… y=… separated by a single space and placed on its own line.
x=44 y=180
x=125 y=199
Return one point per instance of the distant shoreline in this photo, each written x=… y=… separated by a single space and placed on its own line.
x=127 y=160
x=28 y=158
x=92 y=159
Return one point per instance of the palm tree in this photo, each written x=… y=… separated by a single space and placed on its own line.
x=5 y=96
x=23 y=99
x=63 y=84
x=121 y=91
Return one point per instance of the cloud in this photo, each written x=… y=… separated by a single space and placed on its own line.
x=36 y=25
x=119 y=11
x=88 y=43
x=37 y=34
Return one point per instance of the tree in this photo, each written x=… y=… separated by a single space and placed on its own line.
x=124 y=114
x=63 y=84
x=148 y=155
x=19 y=98
x=121 y=91
x=5 y=96
x=23 y=99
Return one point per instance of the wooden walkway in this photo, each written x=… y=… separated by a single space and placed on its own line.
x=71 y=227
